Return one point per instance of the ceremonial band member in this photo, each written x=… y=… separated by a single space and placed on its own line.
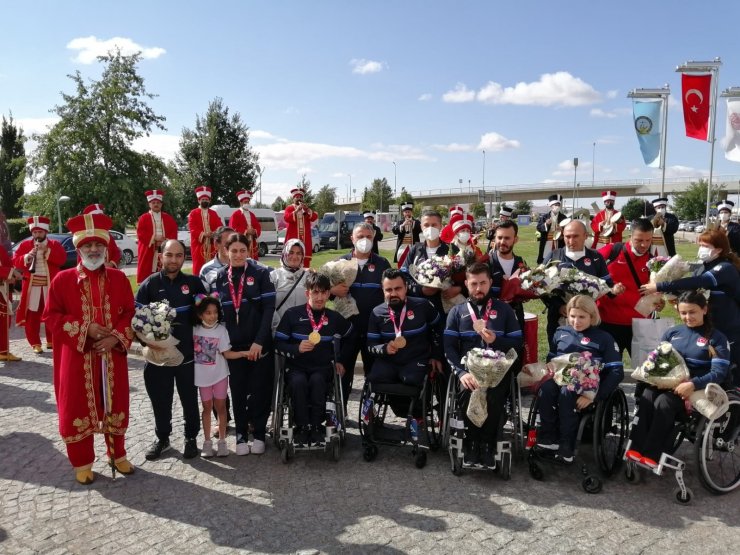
x=731 y=229
x=485 y=323
x=39 y=259
x=504 y=215
x=606 y=231
x=202 y=222
x=113 y=253
x=378 y=237
x=89 y=312
x=447 y=234
x=408 y=231
x=8 y=277
x=665 y=226
x=152 y=229
x=245 y=222
x=299 y=216
x=548 y=226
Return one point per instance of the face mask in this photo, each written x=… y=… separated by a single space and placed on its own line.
x=706 y=254
x=463 y=236
x=555 y=209
x=430 y=233
x=364 y=246
x=93 y=264
x=724 y=217
x=661 y=211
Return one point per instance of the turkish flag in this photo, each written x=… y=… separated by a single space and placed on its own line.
x=696 y=97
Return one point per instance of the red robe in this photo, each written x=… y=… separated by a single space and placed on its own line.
x=6 y=297
x=238 y=223
x=56 y=256
x=299 y=227
x=72 y=306
x=201 y=248
x=147 y=249
x=615 y=237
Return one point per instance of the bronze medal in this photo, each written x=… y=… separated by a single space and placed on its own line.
x=479 y=325
x=400 y=342
x=314 y=338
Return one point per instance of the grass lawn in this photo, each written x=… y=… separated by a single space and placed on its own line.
x=526 y=248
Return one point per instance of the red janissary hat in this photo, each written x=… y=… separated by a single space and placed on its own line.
x=203 y=192
x=609 y=195
x=298 y=193
x=94 y=209
x=244 y=195
x=38 y=222
x=154 y=194
x=89 y=227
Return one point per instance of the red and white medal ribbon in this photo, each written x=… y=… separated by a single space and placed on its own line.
x=236 y=297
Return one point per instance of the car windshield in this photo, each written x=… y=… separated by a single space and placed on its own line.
x=330 y=227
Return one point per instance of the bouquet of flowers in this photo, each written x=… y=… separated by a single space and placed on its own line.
x=542 y=279
x=712 y=401
x=488 y=367
x=575 y=282
x=662 y=269
x=577 y=372
x=153 y=326
x=436 y=272
x=664 y=367
x=342 y=271
x=533 y=374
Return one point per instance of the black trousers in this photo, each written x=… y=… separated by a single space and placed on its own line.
x=496 y=401
x=657 y=413
x=308 y=394
x=251 y=385
x=359 y=346
x=558 y=417
x=413 y=373
x=622 y=334
x=160 y=382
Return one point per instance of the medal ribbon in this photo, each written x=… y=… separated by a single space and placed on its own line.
x=486 y=314
x=322 y=320
x=397 y=328
x=236 y=297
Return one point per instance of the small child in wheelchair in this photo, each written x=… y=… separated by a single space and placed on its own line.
x=306 y=337
x=707 y=355
x=559 y=407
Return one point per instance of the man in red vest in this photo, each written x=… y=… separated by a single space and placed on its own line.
x=202 y=222
x=40 y=259
x=113 y=253
x=608 y=224
x=299 y=216
x=244 y=221
x=152 y=229
x=8 y=277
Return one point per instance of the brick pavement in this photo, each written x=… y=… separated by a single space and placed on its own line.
x=313 y=505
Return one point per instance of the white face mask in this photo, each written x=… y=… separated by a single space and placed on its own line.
x=463 y=236
x=706 y=254
x=91 y=263
x=724 y=217
x=430 y=233
x=554 y=209
x=364 y=245
x=660 y=211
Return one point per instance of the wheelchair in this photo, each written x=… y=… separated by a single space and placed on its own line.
x=511 y=425
x=282 y=419
x=376 y=427
x=716 y=452
x=604 y=422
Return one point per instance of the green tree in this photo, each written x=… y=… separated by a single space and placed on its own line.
x=305 y=184
x=88 y=154
x=478 y=209
x=637 y=208
x=379 y=196
x=523 y=207
x=216 y=153
x=12 y=167
x=691 y=204
x=325 y=200
x=278 y=204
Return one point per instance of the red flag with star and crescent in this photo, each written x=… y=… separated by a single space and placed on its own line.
x=696 y=96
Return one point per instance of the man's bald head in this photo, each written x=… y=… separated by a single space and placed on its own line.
x=575 y=234
x=173 y=245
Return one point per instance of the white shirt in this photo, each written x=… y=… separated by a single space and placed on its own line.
x=210 y=364
x=507 y=265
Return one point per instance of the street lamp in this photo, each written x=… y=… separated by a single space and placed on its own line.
x=484 y=170
x=62 y=198
x=350 y=187
x=260 y=171
x=593 y=167
x=575 y=173
x=395 y=187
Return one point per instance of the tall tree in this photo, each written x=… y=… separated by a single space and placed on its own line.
x=379 y=196
x=88 y=154
x=523 y=207
x=305 y=184
x=637 y=208
x=278 y=204
x=478 y=209
x=691 y=204
x=216 y=153
x=325 y=200
x=12 y=167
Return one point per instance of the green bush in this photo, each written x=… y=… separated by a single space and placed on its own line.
x=18 y=229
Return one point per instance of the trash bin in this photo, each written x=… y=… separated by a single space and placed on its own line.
x=531 y=326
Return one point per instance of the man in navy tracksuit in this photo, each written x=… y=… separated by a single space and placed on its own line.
x=504 y=262
x=179 y=290
x=309 y=357
x=501 y=332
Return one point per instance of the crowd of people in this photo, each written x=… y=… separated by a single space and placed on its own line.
x=233 y=315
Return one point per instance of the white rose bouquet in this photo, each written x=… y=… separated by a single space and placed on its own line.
x=662 y=269
x=153 y=326
x=664 y=368
x=542 y=279
x=436 y=272
x=488 y=367
x=575 y=282
x=339 y=272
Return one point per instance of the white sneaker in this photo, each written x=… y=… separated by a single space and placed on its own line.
x=242 y=448
x=258 y=447
x=207 y=450
x=223 y=451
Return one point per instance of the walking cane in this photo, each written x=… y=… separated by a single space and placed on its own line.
x=108 y=417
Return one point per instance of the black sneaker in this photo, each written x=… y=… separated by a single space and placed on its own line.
x=317 y=437
x=301 y=437
x=156 y=450
x=471 y=453
x=191 y=449
x=565 y=460
x=488 y=456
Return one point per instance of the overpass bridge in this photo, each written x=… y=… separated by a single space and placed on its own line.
x=535 y=192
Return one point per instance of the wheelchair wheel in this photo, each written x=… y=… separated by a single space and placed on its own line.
x=717 y=450
x=610 y=431
x=448 y=409
x=420 y=459
x=592 y=484
x=336 y=450
x=433 y=412
x=533 y=419
x=455 y=463
x=278 y=406
x=506 y=466
x=683 y=498
x=286 y=452
x=631 y=474
x=369 y=453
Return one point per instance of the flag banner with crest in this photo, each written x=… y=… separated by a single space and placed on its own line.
x=696 y=96
x=731 y=141
x=648 y=127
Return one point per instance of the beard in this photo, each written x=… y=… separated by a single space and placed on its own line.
x=93 y=262
x=204 y=204
x=395 y=302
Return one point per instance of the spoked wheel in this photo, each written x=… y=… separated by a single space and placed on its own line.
x=448 y=409
x=592 y=484
x=506 y=466
x=717 y=450
x=434 y=413
x=610 y=431
x=683 y=498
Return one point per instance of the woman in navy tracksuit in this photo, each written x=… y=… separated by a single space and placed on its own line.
x=707 y=355
x=558 y=407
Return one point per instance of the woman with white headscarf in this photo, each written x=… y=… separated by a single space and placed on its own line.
x=288 y=279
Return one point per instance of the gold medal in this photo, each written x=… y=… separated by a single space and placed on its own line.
x=400 y=342
x=479 y=325
x=314 y=338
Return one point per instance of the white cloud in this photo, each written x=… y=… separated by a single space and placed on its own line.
x=362 y=66
x=609 y=140
x=495 y=142
x=459 y=94
x=552 y=89
x=261 y=134
x=455 y=147
x=424 y=97
x=566 y=167
x=162 y=145
x=612 y=93
x=305 y=170
x=32 y=126
x=89 y=48
x=599 y=113
x=681 y=171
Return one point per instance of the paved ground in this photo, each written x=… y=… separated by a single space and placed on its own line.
x=258 y=504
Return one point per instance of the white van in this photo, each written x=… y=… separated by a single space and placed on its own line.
x=267 y=220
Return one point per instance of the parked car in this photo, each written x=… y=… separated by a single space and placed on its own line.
x=690 y=226
x=315 y=240
x=183 y=235
x=700 y=228
x=681 y=226
x=126 y=244
x=328 y=229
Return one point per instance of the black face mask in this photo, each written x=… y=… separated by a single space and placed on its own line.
x=204 y=204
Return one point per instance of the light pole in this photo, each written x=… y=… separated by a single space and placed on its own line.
x=575 y=173
x=484 y=171
x=260 y=170
x=62 y=198
x=593 y=167
x=350 y=187
x=395 y=183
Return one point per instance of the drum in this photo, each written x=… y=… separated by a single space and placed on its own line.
x=531 y=323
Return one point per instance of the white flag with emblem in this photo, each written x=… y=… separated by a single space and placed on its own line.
x=731 y=141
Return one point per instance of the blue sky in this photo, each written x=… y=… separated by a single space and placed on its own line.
x=333 y=89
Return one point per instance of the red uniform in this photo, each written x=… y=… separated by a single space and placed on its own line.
x=35 y=289
x=299 y=227
x=77 y=298
x=621 y=309
x=615 y=237
x=6 y=292
x=147 y=263
x=242 y=220
x=201 y=222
